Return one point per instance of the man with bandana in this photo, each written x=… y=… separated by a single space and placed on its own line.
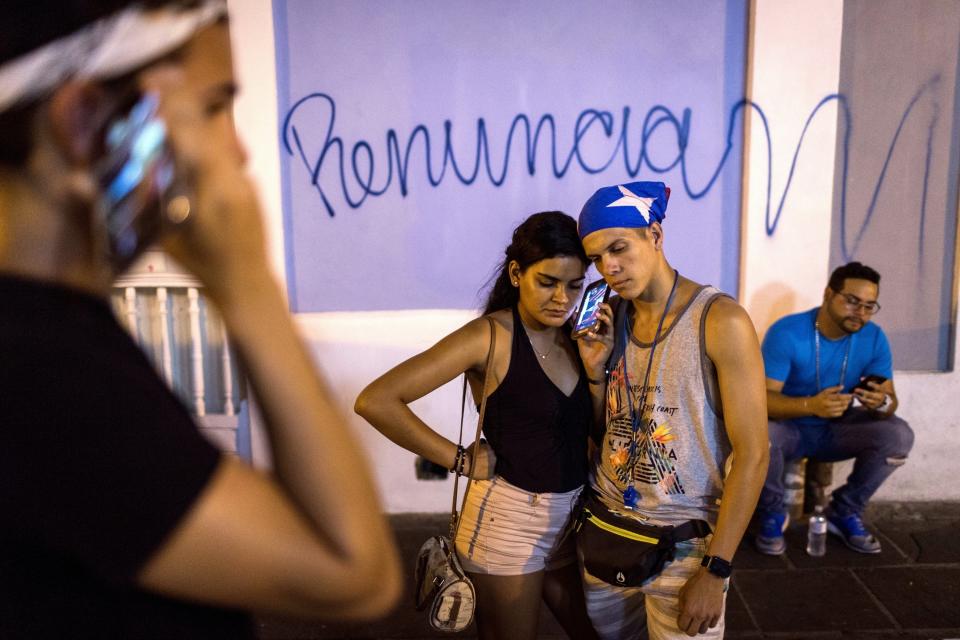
x=677 y=381
x=117 y=519
x=830 y=396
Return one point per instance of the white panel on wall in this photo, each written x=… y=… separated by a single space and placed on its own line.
x=794 y=68
x=415 y=136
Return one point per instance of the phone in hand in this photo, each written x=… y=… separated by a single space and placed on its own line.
x=135 y=173
x=871 y=378
x=586 y=320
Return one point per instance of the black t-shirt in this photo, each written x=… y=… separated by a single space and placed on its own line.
x=98 y=464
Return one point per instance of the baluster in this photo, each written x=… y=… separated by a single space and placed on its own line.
x=130 y=309
x=228 y=407
x=196 y=356
x=163 y=311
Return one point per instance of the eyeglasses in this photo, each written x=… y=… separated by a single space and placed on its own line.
x=852 y=303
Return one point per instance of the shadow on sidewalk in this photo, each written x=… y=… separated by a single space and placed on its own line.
x=909 y=590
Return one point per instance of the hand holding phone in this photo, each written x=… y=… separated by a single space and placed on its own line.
x=871 y=378
x=222 y=242
x=587 y=321
x=862 y=388
x=137 y=175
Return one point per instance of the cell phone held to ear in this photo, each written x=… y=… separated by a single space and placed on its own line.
x=136 y=175
x=593 y=296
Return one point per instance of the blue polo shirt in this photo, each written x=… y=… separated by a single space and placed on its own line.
x=789 y=357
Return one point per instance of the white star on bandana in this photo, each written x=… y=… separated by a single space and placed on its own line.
x=630 y=199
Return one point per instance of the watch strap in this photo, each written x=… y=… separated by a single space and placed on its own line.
x=717 y=566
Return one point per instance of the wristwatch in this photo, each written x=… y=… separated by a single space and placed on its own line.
x=717 y=566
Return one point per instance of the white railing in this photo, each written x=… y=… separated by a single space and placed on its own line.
x=164 y=309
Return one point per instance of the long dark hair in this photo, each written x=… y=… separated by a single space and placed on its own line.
x=543 y=235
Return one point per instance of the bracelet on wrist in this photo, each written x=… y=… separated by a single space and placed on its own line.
x=458 y=460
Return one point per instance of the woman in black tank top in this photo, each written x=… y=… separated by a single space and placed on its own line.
x=512 y=539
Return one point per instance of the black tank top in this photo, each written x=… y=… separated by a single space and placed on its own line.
x=538 y=433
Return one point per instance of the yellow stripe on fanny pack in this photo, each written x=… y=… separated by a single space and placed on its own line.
x=620 y=532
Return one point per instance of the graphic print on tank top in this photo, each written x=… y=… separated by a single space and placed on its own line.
x=656 y=459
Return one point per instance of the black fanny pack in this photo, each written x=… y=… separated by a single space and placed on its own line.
x=624 y=552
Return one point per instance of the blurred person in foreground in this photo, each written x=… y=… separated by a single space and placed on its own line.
x=117 y=518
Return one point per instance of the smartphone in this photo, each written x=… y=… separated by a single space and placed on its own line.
x=586 y=321
x=135 y=172
x=871 y=378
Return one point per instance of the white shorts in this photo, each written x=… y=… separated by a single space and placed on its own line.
x=519 y=532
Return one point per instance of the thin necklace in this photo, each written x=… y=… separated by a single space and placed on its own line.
x=543 y=356
x=816 y=354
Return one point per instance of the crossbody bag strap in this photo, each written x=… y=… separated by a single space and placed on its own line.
x=454 y=515
x=669 y=533
x=691 y=529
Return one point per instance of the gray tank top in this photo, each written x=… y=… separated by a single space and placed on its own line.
x=682 y=444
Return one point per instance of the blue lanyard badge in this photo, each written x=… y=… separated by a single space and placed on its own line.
x=630 y=495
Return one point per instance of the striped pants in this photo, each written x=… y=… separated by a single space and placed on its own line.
x=628 y=613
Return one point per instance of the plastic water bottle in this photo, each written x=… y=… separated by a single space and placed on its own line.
x=817 y=533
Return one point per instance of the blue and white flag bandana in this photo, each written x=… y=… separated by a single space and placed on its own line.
x=637 y=204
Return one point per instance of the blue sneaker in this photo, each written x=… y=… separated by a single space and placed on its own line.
x=850 y=529
x=769 y=539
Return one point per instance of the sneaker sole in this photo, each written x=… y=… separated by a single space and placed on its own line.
x=770 y=552
x=835 y=530
x=786 y=523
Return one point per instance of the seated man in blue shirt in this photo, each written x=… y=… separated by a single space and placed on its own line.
x=818 y=363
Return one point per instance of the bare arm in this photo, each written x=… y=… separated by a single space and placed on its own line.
x=384 y=403
x=309 y=539
x=829 y=403
x=733 y=348
x=595 y=348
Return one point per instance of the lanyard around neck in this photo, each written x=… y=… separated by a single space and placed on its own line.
x=630 y=494
x=816 y=354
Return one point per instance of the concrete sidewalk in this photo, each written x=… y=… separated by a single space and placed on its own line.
x=910 y=590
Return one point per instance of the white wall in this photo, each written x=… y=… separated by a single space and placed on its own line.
x=795 y=63
x=355 y=348
x=251 y=30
